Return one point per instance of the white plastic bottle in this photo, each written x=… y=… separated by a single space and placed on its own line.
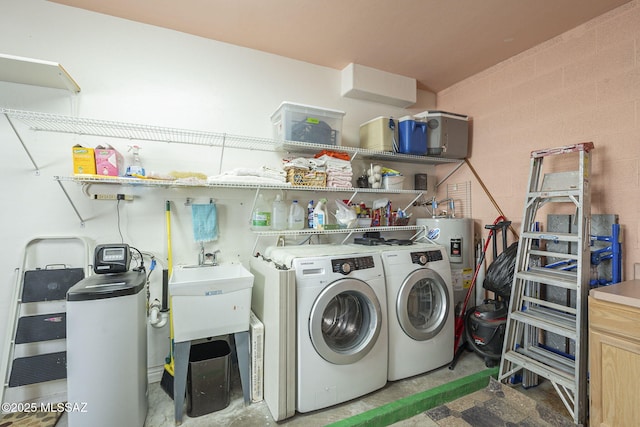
x=278 y=214
x=296 y=216
x=320 y=215
x=261 y=216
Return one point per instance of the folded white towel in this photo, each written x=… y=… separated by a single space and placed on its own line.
x=334 y=163
x=339 y=185
x=234 y=179
x=339 y=174
x=303 y=163
x=264 y=172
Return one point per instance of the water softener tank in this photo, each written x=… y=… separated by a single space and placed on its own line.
x=107 y=351
x=455 y=234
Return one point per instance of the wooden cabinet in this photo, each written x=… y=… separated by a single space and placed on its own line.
x=614 y=355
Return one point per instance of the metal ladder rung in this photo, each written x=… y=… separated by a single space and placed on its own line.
x=563 y=363
x=555 y=237
x=42 y=327
x=540 y=363
x=39 y=368
x=553 y=254
x=550 y=276
x=562 y=196
x=548 y=320
x=551 y=305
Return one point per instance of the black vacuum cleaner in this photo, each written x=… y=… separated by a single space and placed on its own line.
x=485 y=324
x=484 y=330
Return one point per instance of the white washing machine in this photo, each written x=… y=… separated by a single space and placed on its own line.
x=420 y=307
x=341 y=324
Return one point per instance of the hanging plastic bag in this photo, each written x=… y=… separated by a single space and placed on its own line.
x=500 y=273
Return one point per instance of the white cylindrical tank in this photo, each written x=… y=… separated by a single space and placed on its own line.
x=456 y=235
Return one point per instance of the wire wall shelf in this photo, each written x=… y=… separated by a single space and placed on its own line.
x=47 y=122
x=339 y=230
x=307 y=147
x=144 y=182
x=38 y=121
x=82 y=126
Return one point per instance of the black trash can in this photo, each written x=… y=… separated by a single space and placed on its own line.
x=208 y=378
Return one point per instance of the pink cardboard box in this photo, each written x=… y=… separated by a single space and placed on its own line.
x=109 y=162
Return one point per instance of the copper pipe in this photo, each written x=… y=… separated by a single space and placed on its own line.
x=493 y=201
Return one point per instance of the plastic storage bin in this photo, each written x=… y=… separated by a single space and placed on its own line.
x=447 y=134
x=412 y=136
x=208 y=378
x=306 y=123
x=376 y=134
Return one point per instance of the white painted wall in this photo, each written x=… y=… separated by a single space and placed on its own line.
x=142 y=74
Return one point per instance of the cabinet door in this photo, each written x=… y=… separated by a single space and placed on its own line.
x=614 y=365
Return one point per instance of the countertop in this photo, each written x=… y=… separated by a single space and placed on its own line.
x=626 y=293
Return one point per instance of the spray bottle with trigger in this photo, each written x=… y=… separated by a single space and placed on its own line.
x=135 y=169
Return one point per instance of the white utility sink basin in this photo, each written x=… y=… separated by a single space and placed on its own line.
x=210 y=301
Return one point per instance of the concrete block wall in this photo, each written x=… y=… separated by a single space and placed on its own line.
x=583 y=85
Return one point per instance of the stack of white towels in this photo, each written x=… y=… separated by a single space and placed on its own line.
x=339 y=172
x=262 y=175
x=310 y=164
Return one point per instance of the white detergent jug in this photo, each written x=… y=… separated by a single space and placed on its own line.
x=296 y=216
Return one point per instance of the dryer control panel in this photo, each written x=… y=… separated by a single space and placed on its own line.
x=347 y=265
x=423 y=258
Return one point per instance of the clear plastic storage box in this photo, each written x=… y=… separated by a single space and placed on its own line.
x=305 y=123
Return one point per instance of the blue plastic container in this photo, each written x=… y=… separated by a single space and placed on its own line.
x=412 y=137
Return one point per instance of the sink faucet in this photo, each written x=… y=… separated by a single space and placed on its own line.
x=207 y=258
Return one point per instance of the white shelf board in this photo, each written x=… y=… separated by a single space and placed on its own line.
x=16 y=69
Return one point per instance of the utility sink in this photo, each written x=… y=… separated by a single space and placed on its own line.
x=210 y=301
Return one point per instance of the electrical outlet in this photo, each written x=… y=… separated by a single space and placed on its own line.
x=636 y=271
x=105 y=196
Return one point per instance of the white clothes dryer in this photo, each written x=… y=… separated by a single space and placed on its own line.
x=420 y=308
x=341 y=326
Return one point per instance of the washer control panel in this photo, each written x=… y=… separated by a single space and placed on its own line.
x=347 y=265
x=422 y=258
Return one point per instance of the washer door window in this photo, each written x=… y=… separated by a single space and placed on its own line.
x=345 y=321
x=423 y=304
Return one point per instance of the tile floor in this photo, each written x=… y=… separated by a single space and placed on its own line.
x=257 y=414
x=496 y=405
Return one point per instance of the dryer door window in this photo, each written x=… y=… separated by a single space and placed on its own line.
x=423 y=304
x=345 y=321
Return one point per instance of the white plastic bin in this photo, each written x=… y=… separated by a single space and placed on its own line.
x=392 y=182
